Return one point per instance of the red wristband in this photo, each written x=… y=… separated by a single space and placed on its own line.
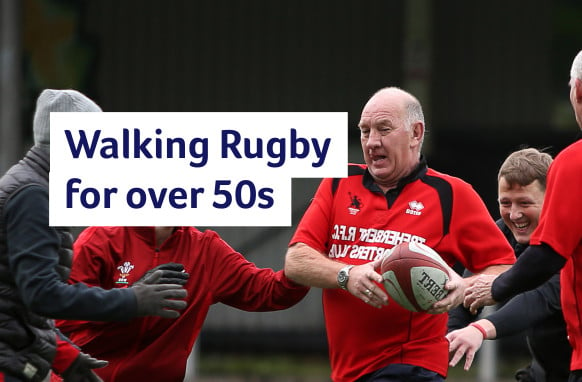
x=479 y=328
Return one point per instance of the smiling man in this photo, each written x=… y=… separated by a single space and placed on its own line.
x=556 y=243
x=521 y=189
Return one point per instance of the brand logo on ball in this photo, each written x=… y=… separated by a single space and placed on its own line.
x=430 y=287
x=414 y=276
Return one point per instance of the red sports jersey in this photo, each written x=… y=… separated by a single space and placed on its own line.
x=355 y=223
x=560 y=227
x=154 y=348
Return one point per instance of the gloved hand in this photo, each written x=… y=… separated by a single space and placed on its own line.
x=155 y=299
x=81 y=370
x=172 y=273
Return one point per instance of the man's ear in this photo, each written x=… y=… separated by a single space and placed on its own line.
x=578 y=90
x=418 y=131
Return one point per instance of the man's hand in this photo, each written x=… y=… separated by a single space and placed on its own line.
x=172 y=273
x=456 y=287
x=478 y=293
x=155 y=299
x=362 y=284
x=464 y=342
x=81 y=370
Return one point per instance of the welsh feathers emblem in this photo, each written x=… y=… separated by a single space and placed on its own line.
x=124 y=271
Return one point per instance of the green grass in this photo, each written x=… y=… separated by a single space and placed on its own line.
x=275 y=367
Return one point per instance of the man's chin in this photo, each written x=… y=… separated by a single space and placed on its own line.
x=379 y=168
x=524 y=240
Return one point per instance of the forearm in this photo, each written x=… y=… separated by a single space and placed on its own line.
x=266 y=291
x=78 y=302
x=512 y=318
x=528 y=309
x=491 y=270
x=287 y=292
x=488 y=327
x=535 y=265
x=306 y=266
x=33 y=257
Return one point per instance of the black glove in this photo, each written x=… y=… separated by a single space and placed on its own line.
x=155 y=299
x=172 y=273
x=81 y=370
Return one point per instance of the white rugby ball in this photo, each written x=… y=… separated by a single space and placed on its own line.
x=414 y=276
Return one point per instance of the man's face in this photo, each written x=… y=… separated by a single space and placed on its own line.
x=520 y=208
x=387 y=141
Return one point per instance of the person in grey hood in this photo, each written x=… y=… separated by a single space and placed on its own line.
x=35 y=261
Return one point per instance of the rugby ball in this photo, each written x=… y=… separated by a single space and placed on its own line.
x=414 y=276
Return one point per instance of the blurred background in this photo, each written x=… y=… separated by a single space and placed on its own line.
x=492 y=77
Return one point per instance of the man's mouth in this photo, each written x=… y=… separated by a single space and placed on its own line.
x=376 y=158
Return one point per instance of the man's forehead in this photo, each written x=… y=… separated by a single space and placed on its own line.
x=534 y=185
x=379 y=117
x=384 y=103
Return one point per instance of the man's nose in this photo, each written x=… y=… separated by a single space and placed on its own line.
x=374 y=138
x=515 y=213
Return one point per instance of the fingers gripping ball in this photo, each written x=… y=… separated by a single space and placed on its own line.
x=414 y=276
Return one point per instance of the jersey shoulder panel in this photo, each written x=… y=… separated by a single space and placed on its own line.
x=353 y=170
x=442 y=185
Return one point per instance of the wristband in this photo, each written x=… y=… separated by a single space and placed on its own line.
x=479 y=328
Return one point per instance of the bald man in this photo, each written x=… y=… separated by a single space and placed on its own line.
x=353 y=222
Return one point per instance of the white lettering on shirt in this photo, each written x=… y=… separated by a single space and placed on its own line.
x=357 y=248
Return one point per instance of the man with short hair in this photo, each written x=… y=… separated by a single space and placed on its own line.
x=521 y=189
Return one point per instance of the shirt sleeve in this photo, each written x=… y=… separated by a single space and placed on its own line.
x=528 y=309
x=66 y=354
x=241 y=284
x=559 y=225
x=535 y=265
x=33 y=257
